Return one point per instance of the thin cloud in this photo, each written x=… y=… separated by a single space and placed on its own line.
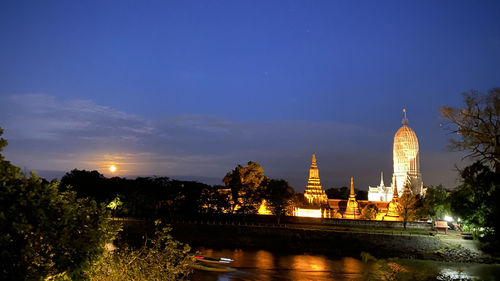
x=48 y=134
x=42 y=117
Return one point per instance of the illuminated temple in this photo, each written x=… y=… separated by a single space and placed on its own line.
x=406 y=166
x=314 y=194
x=386 y=198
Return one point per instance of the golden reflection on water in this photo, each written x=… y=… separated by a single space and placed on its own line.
x=352 y=265
x=238 y=257
x=265 y=265
x=308 y=263
x=264 y=260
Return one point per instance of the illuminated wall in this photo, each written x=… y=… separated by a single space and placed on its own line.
x=308 y=213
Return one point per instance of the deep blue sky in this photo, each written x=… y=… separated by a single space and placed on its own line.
x=191 y=88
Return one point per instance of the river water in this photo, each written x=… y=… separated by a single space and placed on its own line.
x=265 y=265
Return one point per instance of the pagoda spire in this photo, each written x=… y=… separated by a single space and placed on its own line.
x=313 y=164
x=393 y=207
x=395 y=192
x=352 y=208
x=352 y=194
x=382 y=179
x=405 y=121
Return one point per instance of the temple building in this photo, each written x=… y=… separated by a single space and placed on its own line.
x=313 y=193
x=318 y=205
x=406 y=166
x=386 y=199
x=316 y=200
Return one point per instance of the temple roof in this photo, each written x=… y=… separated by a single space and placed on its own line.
x=405 y=133
x=405 y=138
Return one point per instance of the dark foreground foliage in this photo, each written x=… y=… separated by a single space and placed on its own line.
x=45 y=232
x=161 y=258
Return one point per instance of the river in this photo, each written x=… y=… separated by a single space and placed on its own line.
x=265 y=265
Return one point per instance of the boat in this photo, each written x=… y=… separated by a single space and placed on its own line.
x=212 y=264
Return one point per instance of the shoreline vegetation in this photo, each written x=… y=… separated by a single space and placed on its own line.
x=316 y=239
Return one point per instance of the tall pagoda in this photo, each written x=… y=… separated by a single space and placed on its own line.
x=313 y=192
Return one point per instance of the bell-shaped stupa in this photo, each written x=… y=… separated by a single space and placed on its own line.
x=352 y=210
x=406 y=159
x=393 y=207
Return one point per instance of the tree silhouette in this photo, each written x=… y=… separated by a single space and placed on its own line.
x=245 y=183
x=407 y=205
x=477 y=125
x=278 y=195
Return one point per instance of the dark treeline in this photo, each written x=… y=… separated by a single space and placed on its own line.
x=164 y=197
x=147 y=196
x=245 y=190
x=343 y=193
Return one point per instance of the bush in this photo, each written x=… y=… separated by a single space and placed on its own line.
x=369 y=212
x=46 y=233
x=162 y=258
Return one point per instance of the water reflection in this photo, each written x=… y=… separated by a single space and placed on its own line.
x=264 y=260
x=308 y=263
x=352 y=265
x=265 y=265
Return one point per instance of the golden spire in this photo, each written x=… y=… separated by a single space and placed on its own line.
x=313 y=171
x=393 y=209
x=395 y=192
x=405 y=121
x=352 y=194
x=313 y=191
x=352 y=208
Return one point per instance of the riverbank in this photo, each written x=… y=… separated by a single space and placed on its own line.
x=336 y=242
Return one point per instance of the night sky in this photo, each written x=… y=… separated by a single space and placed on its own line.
x=190 y=89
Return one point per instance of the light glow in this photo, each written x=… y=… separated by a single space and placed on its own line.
x=263 y=209
x=112 y=168
x=309 y=213
x=448 y=218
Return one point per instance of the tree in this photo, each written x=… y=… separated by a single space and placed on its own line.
x=477 y=124
x=190 y=197
x=435 y=204
x=407 y=205
x=245 y=183
x=278 y=194
x=45 y=232
x=343 y=193
x=215 y=200
x=475 y=201
x=88 y=184
x=337 y=192
x=369 y=212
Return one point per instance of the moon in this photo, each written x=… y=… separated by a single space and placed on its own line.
x=112 y=168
